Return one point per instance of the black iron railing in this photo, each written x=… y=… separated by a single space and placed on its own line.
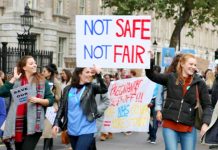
x=9 y=56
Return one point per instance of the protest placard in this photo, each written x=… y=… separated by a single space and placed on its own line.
x=113 y=41
x=167 y=56
x=20 y=94
x=128 y=110
x=50 y=114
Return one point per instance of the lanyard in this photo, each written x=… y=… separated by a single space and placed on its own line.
x=78 y=96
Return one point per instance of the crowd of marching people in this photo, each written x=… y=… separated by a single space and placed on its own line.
x=79 y=98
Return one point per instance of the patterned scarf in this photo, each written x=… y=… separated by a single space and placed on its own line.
x=39 y=88
x=20 y=115
x=21 y=126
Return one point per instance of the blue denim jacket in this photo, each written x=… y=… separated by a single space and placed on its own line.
x=159 y=98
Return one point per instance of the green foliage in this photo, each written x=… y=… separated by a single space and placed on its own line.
x=201 y=11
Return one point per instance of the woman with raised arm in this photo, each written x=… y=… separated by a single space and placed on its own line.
x=78 y=108
x=25 y=122
x=183 y=88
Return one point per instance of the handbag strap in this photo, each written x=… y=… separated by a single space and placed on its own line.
x=197 y=97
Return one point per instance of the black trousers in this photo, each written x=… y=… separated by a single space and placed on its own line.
x=29 y=142
x=93 y=145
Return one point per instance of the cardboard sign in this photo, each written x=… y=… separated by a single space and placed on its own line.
x=20 y=94
x=167 y=56
x=50 y=114
x=113 y=41
x=128 y=110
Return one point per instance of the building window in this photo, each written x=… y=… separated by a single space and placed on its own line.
x=101 y=9
x=37 y=42
x=32 y=4
x=59 y=7
x=82 y=6
x=60 y=53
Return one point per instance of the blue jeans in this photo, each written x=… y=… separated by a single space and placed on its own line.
x=153 y=126
x=81 y=142
x=187 y=139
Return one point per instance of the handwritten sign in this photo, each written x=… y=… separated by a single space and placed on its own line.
x=128 y=109
x=20 y=94
x=113 y=41
x=50 y=114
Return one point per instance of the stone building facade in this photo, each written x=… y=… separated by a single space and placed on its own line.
x=54 y=24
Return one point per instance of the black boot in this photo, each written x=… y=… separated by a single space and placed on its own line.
x=8 y=145
x=46 y=144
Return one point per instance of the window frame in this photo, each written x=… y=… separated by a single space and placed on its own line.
x=32 y=4
x=62 y=41
x=82 y=7
x=59 y=7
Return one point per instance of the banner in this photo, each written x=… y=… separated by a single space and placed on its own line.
x=188 y=51
x=113 y=41
x=128 y=109
x=20 y=94
x=167 y=56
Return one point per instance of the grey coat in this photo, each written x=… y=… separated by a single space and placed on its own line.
x=9 y=130
x=103 y=102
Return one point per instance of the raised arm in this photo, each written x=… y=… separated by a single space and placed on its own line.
x=5 y=89
x=101 y=88
x=154 y=76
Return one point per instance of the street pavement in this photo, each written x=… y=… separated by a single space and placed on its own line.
x=120 y=141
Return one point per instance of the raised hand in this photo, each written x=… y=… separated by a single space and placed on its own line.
x=96 y=69
x=151 y=54
x=16 y=75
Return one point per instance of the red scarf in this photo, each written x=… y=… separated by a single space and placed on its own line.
x=20 y=115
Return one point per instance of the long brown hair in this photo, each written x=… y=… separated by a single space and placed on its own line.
x=75 y=77
x=209 y=78
x=179 y=68
x=68 y=74
x=22 y=63
x=174 y=63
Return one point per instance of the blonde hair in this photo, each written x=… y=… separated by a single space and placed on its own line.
x=183 y=59
x=209 y=78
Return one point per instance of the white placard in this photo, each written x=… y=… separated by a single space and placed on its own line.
x=3 y=126
x=113 y=41
x=51 y=114
x=20 y=94
x=128 y=110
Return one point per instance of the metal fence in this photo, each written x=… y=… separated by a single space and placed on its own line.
x=9 y=57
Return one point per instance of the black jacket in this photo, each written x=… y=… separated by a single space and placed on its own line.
x=87 y=102
x=214 y=93
x=211 y=135
x=181 y=108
